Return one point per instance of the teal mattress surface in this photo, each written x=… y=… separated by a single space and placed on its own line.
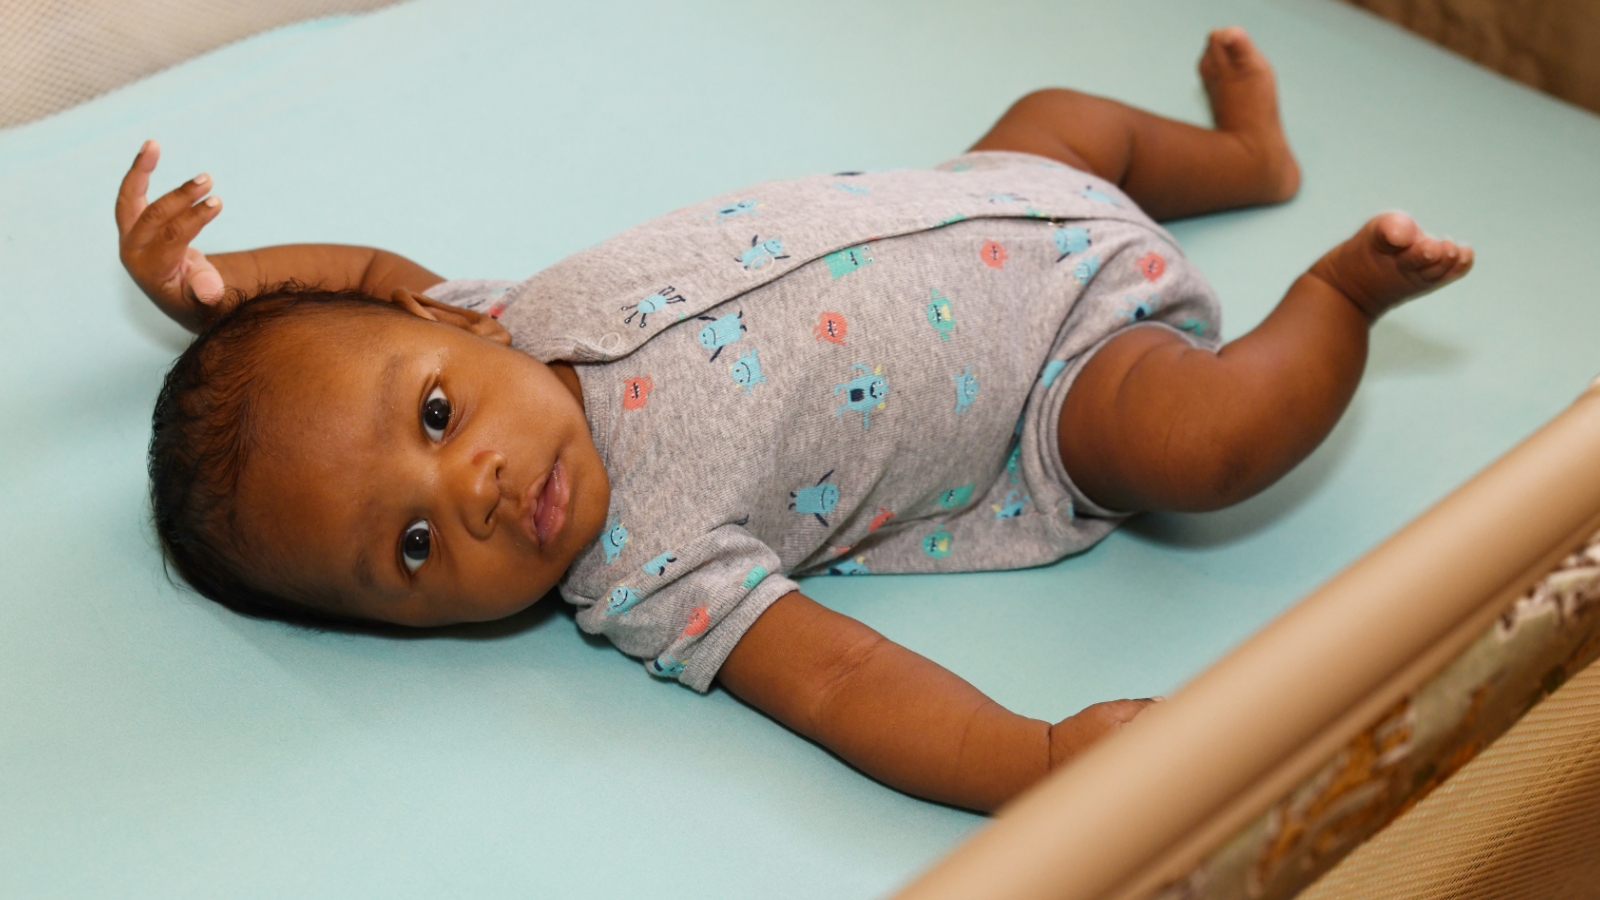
x=155 y=745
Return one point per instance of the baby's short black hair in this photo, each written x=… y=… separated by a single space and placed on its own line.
x=201 y=434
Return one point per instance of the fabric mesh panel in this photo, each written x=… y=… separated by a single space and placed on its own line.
x=1520 y=822
x=59 y=53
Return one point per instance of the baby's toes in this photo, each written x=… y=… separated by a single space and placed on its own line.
x=1395 y=233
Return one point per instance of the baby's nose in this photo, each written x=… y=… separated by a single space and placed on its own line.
x=482 y=494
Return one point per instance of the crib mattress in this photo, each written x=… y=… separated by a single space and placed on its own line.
x=152 y=744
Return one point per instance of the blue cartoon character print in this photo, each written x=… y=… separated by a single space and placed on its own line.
x=816 y=500
x=665 y=666
x=754 y=576
x=761 y=253
x=658 y=564
x=652 y=303
x=1196 y=327
x=737 y=208
x=940 y=315
x=1012 y=507
x=622 y=599
x=843 y=262
x=614 y=539
x=863 y=393
x=966 y=389
x=855 y=566
x=1085 y=269
x=1089 y=193
x=1052 y=371
x=1070 y=241
x=1139 y=310
x=746 y=371
x=1014 y=462
x=937 y=544
x=956 y=496
x=722 y=331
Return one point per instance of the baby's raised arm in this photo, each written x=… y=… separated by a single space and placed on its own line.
x=192 y=288
x=898 y=716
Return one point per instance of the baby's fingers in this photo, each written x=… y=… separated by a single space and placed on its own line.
x=156 y=223
x=135 y=184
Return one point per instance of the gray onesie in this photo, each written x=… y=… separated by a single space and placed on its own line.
x=839 y=374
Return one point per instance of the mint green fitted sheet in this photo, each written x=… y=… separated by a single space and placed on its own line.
x=153 y=745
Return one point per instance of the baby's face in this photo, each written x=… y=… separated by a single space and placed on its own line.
x=416 y=472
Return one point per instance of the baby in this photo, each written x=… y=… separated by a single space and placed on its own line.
x=986 y=365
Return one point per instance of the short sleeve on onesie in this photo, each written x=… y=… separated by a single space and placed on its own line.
x=890 y=406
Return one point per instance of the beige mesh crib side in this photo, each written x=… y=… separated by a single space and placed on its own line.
x=1344 y=716
x=59 y=53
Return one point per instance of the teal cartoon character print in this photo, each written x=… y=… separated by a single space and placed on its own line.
x=652 y=303
x=754 y=576
x=956 y=496
x=746 y=371
x=937 y=545
x=665 y=666
x=622 y=599
x=1085 y=269
x=1011 y=508
x=739 y=208
x=843 y=262
x=1196 y=327
x=614 y=539
x=658 y=564
x=940 y=315
x=1014 y=462
x=1070 y=241
x=722 y=331
x=817 y=500
x=864 y=393
x=966 y=389
x=1139 y=310
x=855 y=566
x=1089 y=193
x=761 y=253
x=1052 y=371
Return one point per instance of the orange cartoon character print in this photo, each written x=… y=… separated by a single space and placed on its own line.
x=1151 y=265
x=831 y=328
x=636 y=391
x=993 y=254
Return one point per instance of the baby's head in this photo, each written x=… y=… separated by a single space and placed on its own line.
x=328 y=455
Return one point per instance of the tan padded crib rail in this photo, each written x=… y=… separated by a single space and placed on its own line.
x=1316 y=704
x=58 y=53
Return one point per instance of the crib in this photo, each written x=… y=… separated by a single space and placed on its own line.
x=1422 y=724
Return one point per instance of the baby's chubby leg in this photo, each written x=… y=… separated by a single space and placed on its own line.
x=1153 y=423
x=1171 y=169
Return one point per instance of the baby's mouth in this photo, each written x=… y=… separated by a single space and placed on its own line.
x=546 y=512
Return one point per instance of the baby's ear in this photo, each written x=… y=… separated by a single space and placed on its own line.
x=425 y=307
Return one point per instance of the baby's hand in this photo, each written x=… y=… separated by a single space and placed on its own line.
x=1075 y=734
x=154 y=242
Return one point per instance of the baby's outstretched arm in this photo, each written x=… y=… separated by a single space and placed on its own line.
x=192 y=288
x=1153 y=423
x=897 y=716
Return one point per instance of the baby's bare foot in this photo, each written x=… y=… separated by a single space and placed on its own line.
x=1244 y=103
x=1389 y=261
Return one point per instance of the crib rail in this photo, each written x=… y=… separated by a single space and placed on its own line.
x=1330 y=678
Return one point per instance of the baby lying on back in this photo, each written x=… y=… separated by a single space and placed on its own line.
x=984 y=365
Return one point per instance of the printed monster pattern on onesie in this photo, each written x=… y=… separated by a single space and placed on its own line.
x=885 y=405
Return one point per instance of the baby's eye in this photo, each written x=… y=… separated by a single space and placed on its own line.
x=435 y=414
x=414 y=544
